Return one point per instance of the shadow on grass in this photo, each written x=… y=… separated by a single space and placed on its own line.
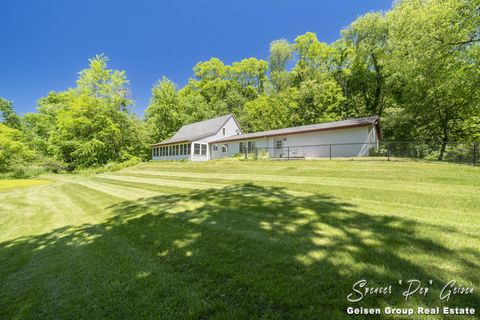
x=242 y=251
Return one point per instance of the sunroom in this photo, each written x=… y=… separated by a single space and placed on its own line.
x=180 y=151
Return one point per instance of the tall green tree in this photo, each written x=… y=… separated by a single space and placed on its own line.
x=164 y=114
x=281 y=53
x=269 y=112
x=12 y=149
x=90 y=124
x=368 y=39
x=8 y=115
x=435 y=65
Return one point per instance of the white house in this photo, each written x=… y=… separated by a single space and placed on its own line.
x=222 y=137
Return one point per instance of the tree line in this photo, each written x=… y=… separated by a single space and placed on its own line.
x=416 y=66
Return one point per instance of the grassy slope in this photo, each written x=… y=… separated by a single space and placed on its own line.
x=232 y=239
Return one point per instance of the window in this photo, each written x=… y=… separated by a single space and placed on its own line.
x=196 y=148
x=251 y=146
x=241 y=147
x=184 y=149
x=224 y=148
x=163 y=151
x=189 y=148
x=170 y=150
x=181 y=149
x=215 y=147
x=157 y=152
x=223 y=131
x=204 y=149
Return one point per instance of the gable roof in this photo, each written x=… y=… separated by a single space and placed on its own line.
x=351 y=123
x=198 y=130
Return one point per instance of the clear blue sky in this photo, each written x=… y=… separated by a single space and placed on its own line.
x=45 y=43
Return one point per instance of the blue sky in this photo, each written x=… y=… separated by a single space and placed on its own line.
x=45 y=43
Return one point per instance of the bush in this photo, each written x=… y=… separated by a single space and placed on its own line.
x=112 y=166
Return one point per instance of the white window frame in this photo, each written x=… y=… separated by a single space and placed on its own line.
x=215 y=147
x=196 y=149
x=224 y=148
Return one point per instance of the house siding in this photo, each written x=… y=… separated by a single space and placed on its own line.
x=350 y=142
x=231 y=128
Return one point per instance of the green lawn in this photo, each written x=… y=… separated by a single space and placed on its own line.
x=7 y=185
x=237 y=239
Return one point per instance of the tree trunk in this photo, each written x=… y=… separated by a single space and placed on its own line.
x=444 y=143
x=376 y=105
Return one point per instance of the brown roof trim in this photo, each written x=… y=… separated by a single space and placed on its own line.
x=290 y=133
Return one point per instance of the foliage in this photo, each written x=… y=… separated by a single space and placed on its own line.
x=417 y=66
x=90 y=124
x=13 y=152
x=435 y=64
x=7 y=115
x=163 y=116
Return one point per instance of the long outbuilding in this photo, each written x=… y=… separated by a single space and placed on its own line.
x=222 y=137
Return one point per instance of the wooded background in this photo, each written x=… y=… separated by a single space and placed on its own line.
x=416 y=66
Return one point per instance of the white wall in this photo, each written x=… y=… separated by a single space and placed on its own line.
x=231 y=128
x=350 y=142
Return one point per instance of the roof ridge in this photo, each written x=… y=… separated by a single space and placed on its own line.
x=189 y=124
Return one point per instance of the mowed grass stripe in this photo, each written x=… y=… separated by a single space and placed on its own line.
x=375 y=170
x=165 y=182
x=142 y=186
x=364 y=182
x=118 y=191
x=468 y=204
x=380 y=207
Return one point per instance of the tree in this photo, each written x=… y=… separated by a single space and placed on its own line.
x=320 y=100
x=271 y=112
x=12 y=150
x=90 y=124
x=435 y=65
x=8 y=115
x=368 y=38
x=164 y=114
x=251 y=74
x=314 y=57
x=280 y=54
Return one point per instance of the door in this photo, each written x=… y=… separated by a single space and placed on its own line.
x=278 y=147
